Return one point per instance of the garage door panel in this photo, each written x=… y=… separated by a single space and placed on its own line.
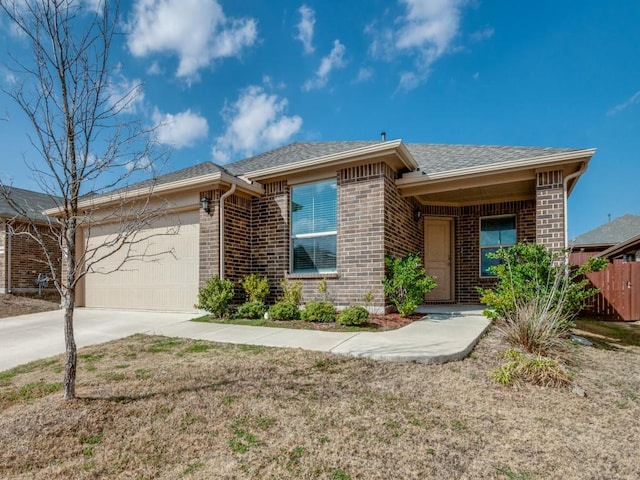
x=161 y=282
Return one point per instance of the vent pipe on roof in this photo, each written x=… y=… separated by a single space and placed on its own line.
x=383 y=136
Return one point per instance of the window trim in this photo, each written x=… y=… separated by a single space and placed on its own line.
x=481 y=247
x=328 y=233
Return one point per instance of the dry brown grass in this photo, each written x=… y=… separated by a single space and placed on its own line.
x=152 y=407
x=12 y=305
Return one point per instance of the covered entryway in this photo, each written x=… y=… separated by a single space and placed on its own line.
x=438 y=235
x=166 y=283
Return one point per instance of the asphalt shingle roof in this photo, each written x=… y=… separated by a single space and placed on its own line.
x=434 y=158
x=431 y=158
x=201 y=169
x=32 y=203
x=616 y=231
x=291 y=153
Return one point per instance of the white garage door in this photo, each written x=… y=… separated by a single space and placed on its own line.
x=167 y=283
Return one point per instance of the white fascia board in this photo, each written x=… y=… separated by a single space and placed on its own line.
x=204 y=181
x=537 y=162
x=392 y=146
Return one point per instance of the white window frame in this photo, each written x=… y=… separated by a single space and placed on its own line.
x=300 y=236
x=481 y=247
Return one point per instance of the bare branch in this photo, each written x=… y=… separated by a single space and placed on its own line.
x=89 y=142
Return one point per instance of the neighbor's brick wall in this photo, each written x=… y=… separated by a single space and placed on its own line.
x=209 y=238
x=550 y=219
x=467 y=240
x=3 y=258
x=27 y=258
x=270 y=235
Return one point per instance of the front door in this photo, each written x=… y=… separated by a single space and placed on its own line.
x=437 y=256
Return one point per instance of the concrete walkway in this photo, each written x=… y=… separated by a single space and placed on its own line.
x=444 y=335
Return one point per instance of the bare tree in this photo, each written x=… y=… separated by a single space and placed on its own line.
x=88 y=140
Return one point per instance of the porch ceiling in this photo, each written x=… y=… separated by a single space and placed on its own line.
x=478 y=189
x=494 y=193
x=458 y=188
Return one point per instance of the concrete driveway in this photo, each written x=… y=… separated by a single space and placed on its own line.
x=40 y=335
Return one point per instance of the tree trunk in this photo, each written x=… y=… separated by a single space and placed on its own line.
x=70 y=347
x=69 y=302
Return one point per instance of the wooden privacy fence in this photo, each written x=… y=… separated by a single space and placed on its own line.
x=619 y=296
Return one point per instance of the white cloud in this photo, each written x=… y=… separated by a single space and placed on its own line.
x=424 y=33
x=154 y=69
x=305 y=28
x=256 y=121
x=632 y=100
x=181 y=129
x=364 y=74
x=95 y=5
x=197 y=31
x=481 y=35
x=334 y=60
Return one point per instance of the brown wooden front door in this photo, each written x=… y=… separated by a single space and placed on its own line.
x=438 y=235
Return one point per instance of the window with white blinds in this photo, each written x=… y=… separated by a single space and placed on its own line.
x=314 y=227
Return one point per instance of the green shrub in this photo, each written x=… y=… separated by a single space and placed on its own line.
x=215 y=297
x=353 y=315
x=284 y=311
x=529 y=272
x=256 y=287
x=291 y=291
x=251 y=310
x=406 y=283
x=318 y=311
x=536 y=297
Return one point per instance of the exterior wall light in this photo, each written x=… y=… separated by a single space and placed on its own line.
x=204 y=204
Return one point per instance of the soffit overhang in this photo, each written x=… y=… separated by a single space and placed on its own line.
x=506 y=181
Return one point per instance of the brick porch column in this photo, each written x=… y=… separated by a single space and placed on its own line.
x=550 y=210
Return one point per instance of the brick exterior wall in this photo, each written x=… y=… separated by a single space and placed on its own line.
x=373 y=220
x=550 y=219
x=467 y=240
x=209 y=237
x=27 y=259
x=371 y=216
x=360 y=242
x=403 y=233
x=237 y=241
x=3 y=258
x=270 y=235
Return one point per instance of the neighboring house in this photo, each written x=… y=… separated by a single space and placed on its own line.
x=614 y=237
x=625 y=251
x=619 y=242
x=333 y=210
x=21 y=258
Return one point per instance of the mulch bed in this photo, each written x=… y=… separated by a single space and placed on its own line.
x=390 y=321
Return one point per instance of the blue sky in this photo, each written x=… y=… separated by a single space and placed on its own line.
x=229 y=79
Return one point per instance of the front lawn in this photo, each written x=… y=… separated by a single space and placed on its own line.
x=157 y=407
